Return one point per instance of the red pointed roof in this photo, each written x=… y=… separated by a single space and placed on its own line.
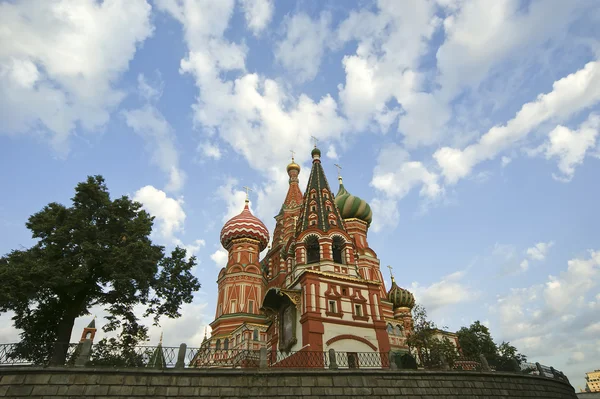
x=245 y=225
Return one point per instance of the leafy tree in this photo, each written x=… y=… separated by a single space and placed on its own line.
x=476 y=340
x=96 y=252
x=507 y=356
x=423 y=341
x=121 y=351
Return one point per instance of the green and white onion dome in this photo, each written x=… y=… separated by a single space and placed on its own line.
x=351 y=206
x=400 y=298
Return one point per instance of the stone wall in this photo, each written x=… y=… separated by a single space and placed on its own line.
x=111 y=383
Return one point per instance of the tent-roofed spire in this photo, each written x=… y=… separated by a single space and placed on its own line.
x=157 y=358
x=318 y=210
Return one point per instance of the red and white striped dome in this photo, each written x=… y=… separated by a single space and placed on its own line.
x=245 y=225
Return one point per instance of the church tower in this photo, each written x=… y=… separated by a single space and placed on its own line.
x=89 y=332
x=357 y=216
x=240 y=282
x=325 y=302
x=279 y=259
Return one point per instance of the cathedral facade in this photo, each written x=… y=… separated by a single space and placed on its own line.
x=319 y=285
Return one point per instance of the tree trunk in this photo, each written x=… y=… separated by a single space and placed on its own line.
x=63 y=337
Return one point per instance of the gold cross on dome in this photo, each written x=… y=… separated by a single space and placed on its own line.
x=338 y=169
x=293 y=153
x=248 y=189
x=315 y=140
x=391 y=274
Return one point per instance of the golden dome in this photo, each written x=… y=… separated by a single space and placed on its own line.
x=293 y=166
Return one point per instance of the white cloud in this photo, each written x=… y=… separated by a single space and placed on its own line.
x=390 y=43
x=191 y=249
x=332 y=153
x=233 y=197
x=539 y=250
x=60 y=61
x=524 y=265
x=150 y=124
x=505 y=161
x=570 y=146
x=385 y=214
x=395 y=175
x=569 y=287
x=480 y=35
x=168 y=212
x=258 y=14
x=577 y=357
x=210 y=150
x=220 y=258
x=253 y=114
x=301 y=50
x=450 y=290
x=570 y=95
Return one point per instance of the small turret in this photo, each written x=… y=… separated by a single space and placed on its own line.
x=89 y=332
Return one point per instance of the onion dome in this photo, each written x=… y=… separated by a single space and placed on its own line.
x=351 y=206
x=245 y=225
x=315 y=153
x=293 y=166
x=399 y=297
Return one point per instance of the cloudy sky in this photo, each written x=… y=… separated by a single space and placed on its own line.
x=470 y=127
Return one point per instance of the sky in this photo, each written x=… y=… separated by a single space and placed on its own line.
x=471 y=128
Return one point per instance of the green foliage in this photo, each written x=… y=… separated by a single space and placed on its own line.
x=442 y=350
x=121 y=351
x=96 y=252
x=407 y=361
x=423 y=341
x=477 y=340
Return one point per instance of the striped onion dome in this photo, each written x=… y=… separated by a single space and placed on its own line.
x=351 y=206
x=245 y=225
x=399 y=297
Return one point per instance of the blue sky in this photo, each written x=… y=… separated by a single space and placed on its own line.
x=470 y=127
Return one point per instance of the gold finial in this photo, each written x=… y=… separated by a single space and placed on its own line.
x=391 y=274
x=248 y=189
x=339 y=173
x=293 y=153
x=161 y=338
x=315 y=140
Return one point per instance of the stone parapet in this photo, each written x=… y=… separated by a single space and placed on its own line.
x=48 y=383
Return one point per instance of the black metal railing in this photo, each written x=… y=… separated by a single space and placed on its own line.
x=222 y=358
x=12 y=354
x=363 y=360
x=301 y=359
x=136 y=356
x=183 y=357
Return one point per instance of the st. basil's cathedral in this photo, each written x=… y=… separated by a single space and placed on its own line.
x=318 y=287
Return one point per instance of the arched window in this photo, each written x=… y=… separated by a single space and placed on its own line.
x=226 y=344
x=398 y=329
x=88 y=335
x=255 y=335
x=218 y=346
x=390 y=329
x=337 y=249
x=312 y=250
